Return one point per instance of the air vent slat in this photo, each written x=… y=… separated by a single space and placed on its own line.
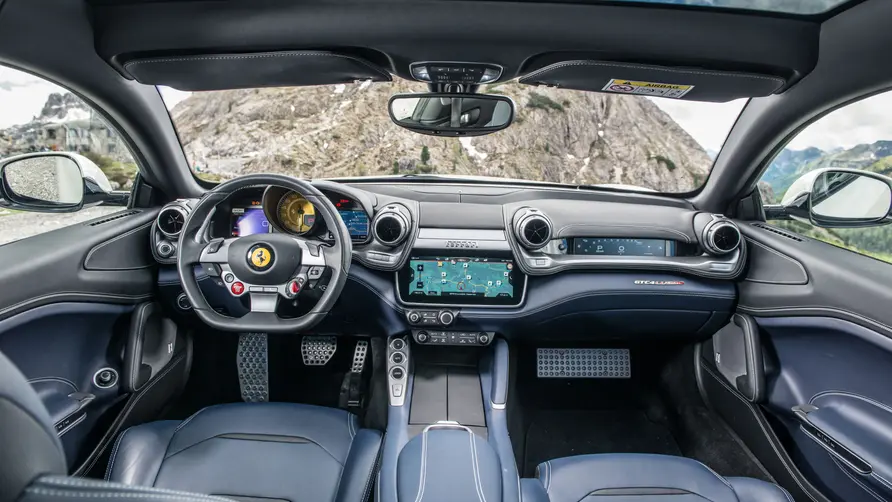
x=778 y=231
x=171 y=220
x=113 y=217
x=532 y=229
x=390 y=228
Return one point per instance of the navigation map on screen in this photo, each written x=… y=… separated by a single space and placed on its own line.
x=450 y=276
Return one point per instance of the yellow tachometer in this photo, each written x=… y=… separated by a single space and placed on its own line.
x=296 y=213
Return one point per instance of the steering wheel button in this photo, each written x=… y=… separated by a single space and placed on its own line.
x=228 y=278
x=211 y=269
x=237 y=288
x=315 y=273
x=294 y=287
x=255 y=289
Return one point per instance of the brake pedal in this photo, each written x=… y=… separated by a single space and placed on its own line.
x=318 y=350
x=253 y=367
x=583 y=363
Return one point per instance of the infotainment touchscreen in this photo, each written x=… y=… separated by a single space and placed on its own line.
x=446 y=280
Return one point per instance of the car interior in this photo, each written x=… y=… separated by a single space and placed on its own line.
x=301 y=330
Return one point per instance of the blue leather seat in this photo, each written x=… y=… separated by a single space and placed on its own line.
x=641 y=478
x=269 y=451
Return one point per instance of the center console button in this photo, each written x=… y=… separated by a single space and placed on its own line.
x=397 y=373
x=446 y=317
x=414 y=317
x=423 y=337
x=397 y=358
x=397 y=344
x=483 y=338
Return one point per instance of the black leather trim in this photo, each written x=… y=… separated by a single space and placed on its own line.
x=121 y=253
x=707 y=85
x=207 y=72
x=773 y=267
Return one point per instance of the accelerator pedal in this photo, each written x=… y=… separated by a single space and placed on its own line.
x=352 y=388
x=253 y=367
x=318 y=350
x=583 y=363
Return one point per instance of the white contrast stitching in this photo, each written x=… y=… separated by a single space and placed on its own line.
x=423 y=474
x=477 y=481
x=114 y=455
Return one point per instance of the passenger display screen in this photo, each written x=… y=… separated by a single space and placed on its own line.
x=249 y=221
x=622 y=247
x=461 y=280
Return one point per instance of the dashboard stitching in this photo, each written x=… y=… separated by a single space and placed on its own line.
x=600 y=293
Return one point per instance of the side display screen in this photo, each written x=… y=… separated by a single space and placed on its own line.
x=357 y=223
x=461 y=281
x=601 y=246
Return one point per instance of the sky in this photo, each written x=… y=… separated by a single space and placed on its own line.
x=23 y=95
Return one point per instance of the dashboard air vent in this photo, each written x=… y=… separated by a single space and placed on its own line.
x=113 y=217
x=532 y=229
x=721 y=237
x=390 y=228
x=778 y=231
x=171 y=221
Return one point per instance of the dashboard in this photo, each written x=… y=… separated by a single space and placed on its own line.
x=501 y=258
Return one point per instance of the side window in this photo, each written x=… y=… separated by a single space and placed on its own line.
x=857 y=137
x=38 y=116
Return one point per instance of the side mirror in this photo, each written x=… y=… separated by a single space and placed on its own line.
x=840 y=198
x=51 y=182
x=452 y=114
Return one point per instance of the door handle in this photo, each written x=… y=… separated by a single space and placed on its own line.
x=826 y=441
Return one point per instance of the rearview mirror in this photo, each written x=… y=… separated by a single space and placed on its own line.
x=840 y=198
x=51 y=182
x=452 y=114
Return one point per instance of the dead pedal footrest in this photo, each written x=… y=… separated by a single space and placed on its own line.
x=583 y=363
x=253 y=367
x=318 y=350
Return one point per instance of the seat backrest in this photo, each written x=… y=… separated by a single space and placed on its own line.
x=29 y=445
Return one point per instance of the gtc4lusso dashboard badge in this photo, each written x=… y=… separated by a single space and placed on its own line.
x=658 y=283
x=260 y=257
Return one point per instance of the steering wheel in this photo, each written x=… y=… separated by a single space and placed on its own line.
x=266 y=267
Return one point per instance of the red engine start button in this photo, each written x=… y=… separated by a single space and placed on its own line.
x=237 y=288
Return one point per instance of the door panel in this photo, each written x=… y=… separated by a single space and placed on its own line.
x=827 y=350
x=73 y=311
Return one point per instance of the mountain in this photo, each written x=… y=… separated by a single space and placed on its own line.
x=335 y=131
x=789 y=165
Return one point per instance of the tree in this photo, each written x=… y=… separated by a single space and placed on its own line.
x=396 y=167
x=425 y=155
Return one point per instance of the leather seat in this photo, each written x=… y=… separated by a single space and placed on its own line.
x=641 y=478
x=270 y=451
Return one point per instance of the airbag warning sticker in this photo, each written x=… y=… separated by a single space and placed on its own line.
x=647 y=88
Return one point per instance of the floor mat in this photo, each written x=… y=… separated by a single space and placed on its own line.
x=556 y=434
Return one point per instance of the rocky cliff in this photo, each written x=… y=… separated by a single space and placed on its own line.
x=336 y=131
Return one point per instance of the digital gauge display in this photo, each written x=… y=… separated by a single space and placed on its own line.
x=605 y=246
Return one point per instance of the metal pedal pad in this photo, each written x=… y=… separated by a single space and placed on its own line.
x=583 y=363
x=318 y=350
x=253 y=367
x=359 y=353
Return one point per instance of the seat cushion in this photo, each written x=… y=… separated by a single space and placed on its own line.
x=641 y=478
x=277 y=451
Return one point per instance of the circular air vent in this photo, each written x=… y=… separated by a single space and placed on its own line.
x=390 y=228
x=171 y=221
x=533 y=230
x=721 y=237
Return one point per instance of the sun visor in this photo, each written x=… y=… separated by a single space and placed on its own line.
x=212 y=72
x=692 y=84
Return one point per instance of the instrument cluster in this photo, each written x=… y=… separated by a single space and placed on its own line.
x=279 y=210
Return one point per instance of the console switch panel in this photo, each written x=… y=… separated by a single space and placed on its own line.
x=430 y=317
x=467 y=338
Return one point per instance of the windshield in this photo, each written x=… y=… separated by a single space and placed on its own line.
x=560 y=136
x=804 y=7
